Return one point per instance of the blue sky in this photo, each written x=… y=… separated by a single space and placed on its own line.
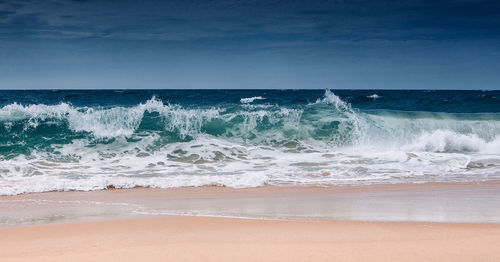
x=250 y=44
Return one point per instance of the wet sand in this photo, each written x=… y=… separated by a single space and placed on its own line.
x=457 y=203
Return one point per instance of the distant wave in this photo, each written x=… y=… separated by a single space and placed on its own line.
x=251 y=99
x=374 y=96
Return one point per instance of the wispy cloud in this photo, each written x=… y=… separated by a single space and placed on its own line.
x=299 y=21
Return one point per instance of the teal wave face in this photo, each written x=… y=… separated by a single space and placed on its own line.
x=329 y=121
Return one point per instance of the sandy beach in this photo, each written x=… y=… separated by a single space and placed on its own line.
x=143 y=224
x=225 y=239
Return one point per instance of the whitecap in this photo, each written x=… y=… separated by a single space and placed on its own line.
x=251 y=99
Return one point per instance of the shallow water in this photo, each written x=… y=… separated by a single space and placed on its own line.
x=437 y=202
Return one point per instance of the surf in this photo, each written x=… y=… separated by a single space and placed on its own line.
x=246 y=143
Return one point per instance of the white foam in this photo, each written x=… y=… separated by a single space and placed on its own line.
x=211 y=161
x=446 y=141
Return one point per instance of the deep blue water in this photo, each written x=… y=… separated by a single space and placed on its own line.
x=452 y=101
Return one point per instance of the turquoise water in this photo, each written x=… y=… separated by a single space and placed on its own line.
x=87 y=140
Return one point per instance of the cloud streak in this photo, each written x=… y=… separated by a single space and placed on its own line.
x=195 y=20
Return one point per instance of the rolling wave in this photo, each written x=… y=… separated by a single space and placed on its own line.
x=65 y=147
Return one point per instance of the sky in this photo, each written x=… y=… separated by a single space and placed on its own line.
x=90 y=44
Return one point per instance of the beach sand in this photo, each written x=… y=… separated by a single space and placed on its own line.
x=141 y=224
x=232 y=239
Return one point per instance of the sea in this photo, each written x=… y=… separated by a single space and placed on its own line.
x=60 y=140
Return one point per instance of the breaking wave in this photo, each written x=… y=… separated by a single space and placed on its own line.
x=158 y=144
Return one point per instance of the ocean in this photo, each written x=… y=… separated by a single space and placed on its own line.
x=53 y=140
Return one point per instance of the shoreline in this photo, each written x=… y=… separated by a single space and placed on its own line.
x=429 y=202
x=340 y=187
x=230 y=239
